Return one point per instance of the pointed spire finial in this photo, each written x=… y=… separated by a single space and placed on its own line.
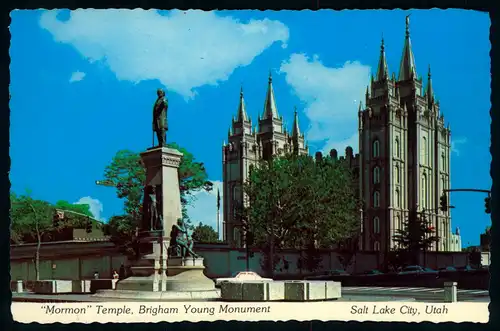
x=429 y=91
x=407 y=68
x=382 y=70
x=408 y=26
x=242 y=115
x=296 y=128
x=270 y=109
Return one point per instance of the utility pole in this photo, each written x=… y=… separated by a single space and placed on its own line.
x=218 y=213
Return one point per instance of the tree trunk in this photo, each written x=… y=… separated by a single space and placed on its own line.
x=37 y=256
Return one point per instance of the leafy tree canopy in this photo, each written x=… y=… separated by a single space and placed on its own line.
x=417 y=233
x=32 y=218
x=205 y=234
x=296 y=200
x=127 y=173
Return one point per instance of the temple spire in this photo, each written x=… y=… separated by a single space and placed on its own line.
x=296 y=128
x=242 y=115
x=407 y=68
x=270 y=109
x=429 y=91
x=382 y=71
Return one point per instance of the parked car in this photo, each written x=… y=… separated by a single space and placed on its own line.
x=373 y=272
x=327 y=274
x=447 y=269
x=240 y=276
x=416 y=269
x=465 y=268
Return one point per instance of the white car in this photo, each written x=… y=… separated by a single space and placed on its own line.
x=241 y=276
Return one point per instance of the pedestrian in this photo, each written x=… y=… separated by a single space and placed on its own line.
x=115 y=274
x=96 y=275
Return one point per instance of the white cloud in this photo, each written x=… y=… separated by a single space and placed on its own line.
x=77 y=76
x=204 y=207
x=96 y=206
x=331 y=97
x=455 y=143
x=183 y=50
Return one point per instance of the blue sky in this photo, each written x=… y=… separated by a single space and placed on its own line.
x=83 y=84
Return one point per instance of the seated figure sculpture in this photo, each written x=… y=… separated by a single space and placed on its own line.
x=181 y=241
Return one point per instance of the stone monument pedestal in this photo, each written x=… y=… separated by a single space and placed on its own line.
x=186 y=274
x=155 y=275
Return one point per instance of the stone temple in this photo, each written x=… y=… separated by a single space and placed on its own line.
x=403 y=162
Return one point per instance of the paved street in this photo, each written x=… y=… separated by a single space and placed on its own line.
x=348 y=294
x=418 y=293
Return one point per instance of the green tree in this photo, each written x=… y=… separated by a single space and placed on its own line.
x=33 y=221
x=32 y=218
x=205 y=234
x=75 y=213
x=295 y=201
x=416 y=235
x=127 y=173
x=122 y=232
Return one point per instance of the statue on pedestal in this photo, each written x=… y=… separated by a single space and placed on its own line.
x=181 y=241
x=154 y=210
x=160 y=123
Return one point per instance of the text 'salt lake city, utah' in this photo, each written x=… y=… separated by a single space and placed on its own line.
x=250 y=165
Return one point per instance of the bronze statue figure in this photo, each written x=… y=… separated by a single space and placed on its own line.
x=154 y=209
x=181 y=241
x=160 y=122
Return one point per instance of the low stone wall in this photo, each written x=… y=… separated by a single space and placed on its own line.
x=252 y=290
x=102 y=284
x=280 y=290
x=63 y=286
x=311 y=290
x=53 y=286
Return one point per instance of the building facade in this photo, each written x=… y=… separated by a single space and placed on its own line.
x=404 y=154
x=403 y=163
x=456 y=241
x=247 y=146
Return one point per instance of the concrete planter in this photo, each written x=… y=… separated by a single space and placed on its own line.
x=311 y=290
x=16 y=286
x=102 y=284
x=81 y=286
x=252 y=291
x=53 y=286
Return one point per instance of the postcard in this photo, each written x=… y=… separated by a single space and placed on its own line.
x=250 y=165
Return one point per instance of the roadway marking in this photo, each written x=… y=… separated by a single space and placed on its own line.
x=410 y=290
x=426 y=290
x=357 y=288
x=407 y=289
x=474 y=292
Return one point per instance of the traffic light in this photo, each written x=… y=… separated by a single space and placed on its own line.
x=487 y=205
x=443 y=203
x=250 y=238
x=88 y=226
